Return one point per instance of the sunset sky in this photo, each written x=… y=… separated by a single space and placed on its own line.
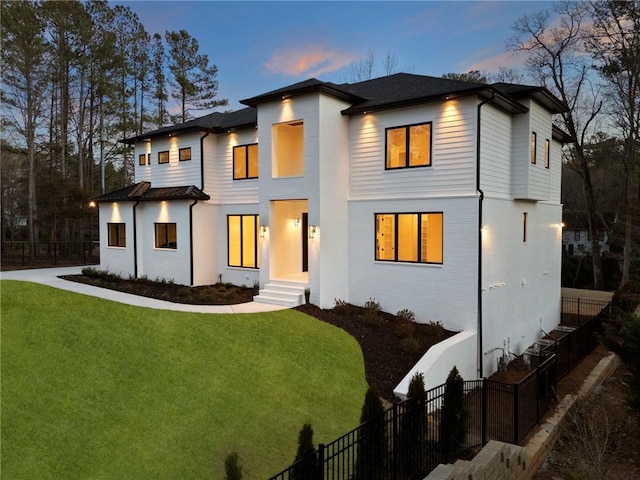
x=261 y=46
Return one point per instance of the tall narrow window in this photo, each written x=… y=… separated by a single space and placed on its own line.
x=533 y=147
x=288 y=149
x=547 y=147
x=117 y=235
x=408 y=146
x=184 y=154
x=409 y=237
x=524 y=227
x=245 y=161
x=166 y=235
x=163 y=157
x=243 y=241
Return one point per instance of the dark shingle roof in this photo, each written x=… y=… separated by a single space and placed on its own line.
x=541 y=94
x=215 y=122
x=312 y=85
x=143 y=192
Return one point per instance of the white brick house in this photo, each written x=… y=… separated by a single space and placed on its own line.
x=424 y=193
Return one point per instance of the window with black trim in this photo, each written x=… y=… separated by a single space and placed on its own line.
x=117 y=235
x=184 y=154
x=408 y=146
x=547 y=147
x=524 y=227
x=166 y=235
x=163 y=157
x=534 y=140
x=242 y=240
x=409 y=237
x=144 y=159
x=245 y=161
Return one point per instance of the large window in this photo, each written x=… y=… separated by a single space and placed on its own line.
x=409 y=237
x=242 y=231
x=409 y=146
x=117 y=235
x=245 y=161
x=163 y=157
x=288 y=149
x=166 y=235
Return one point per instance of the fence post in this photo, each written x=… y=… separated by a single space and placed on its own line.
x=320 y=472
x=395 y=451
x=485 y=396
x=516 y=414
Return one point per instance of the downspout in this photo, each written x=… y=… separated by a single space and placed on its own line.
x=191 y=239
x=135 y=240
x=202 y=160
x=480 y=200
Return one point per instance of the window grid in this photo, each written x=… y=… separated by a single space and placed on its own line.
x=409 y=237
x=245 y=161
x=243 y=241
x=166 y=236
x=417 y=140
x=117 y=236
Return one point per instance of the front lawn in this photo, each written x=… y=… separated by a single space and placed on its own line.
x=96 y=389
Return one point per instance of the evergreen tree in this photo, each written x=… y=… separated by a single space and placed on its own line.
x=412 y=428
x=194 y=79
x=454 y=424
x=372 y=444
x=232 y=468
x=306 y=468
x=159 y=89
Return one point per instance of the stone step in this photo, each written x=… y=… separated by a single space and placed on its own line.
x=287 y=294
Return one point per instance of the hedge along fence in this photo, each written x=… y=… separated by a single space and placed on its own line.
x=413 y=442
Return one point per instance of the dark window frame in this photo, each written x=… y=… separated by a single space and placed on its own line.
x=418 y=237
x=165 y=243
x=144 y=159
x=180 y=150
x=525 y=216
x=547 y=153
x=256 y=247
x=120 y=236
x=408 y=146
x=161 y=154
x=534 y=147
x=246 y=161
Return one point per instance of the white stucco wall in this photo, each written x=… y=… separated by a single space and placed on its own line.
x=118 y=260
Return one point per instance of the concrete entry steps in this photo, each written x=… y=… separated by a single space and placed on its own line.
x=282 y=292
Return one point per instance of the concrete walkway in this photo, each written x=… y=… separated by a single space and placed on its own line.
x=49 y=276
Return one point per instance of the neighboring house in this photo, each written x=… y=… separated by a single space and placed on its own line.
x=435 y=195
x=577 y=241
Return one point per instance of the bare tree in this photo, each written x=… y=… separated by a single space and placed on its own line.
x=616 y=46
x=556 y=57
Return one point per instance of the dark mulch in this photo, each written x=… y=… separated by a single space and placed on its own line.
x=218 y=294
x=391 y=346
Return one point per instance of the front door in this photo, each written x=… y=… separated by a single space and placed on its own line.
x=305 y=242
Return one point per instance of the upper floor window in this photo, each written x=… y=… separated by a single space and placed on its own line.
x=409 y=237
x=166 y=235
x=245 y=161
x=163 y=157
x=547 y=147
x=533 y=147
x=408 y=146
x=117 y=236
x=184 y=154
x=242 y=231
x=288 y=149
x=144 y=159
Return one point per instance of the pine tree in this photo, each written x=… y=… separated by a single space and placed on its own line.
x=412 y=428
x=372 y=444
x=306 y=468
x=454 y=424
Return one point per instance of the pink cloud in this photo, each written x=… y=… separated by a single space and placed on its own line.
x=486 y=60
x=308 y=60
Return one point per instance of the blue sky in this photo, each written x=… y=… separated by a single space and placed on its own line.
x=261 y=46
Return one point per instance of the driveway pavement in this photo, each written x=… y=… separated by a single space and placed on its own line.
x=49 y=276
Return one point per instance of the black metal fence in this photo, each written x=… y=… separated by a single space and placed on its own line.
x=412 y=443
x=576 y=311
x=25 y=254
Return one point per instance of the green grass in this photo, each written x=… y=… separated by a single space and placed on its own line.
x=93 y=389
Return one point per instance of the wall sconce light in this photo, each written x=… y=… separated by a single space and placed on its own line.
x=312 y=231
x=92 y=204
x=263 y=231
x=296 y=222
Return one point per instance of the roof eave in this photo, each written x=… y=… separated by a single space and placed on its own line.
x=304 y=90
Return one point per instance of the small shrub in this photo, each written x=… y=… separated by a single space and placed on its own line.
x=105 y=275
x=434 y=329
x=454 y=424
x=372 y=448
x=410 y=345
x=404 y=329
x=305 y=454
x=342 y=307
x=373 y=318
x=406 y=315
x=412 y=429
x=372 y=305
x=232 y=468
